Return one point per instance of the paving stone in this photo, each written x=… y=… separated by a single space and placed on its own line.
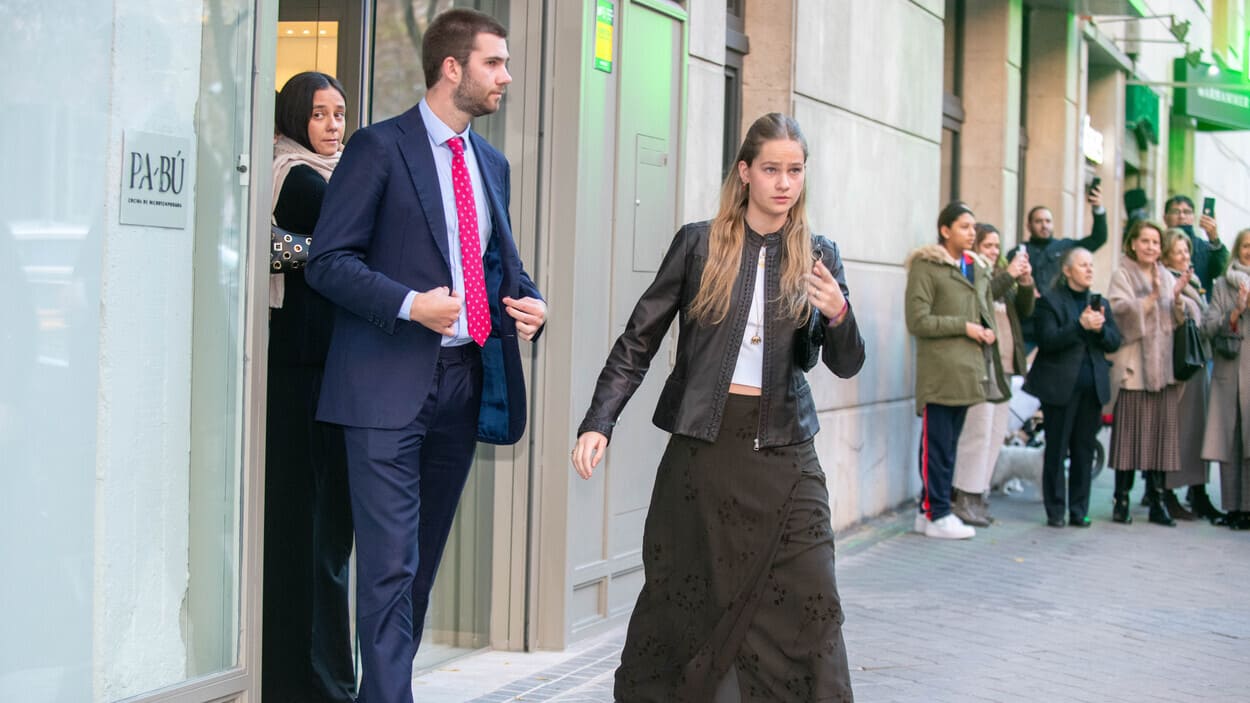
x=1022 y=612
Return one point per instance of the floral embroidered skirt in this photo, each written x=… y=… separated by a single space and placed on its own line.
x=740 y=601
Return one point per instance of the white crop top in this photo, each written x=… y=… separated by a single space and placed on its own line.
x=750 y=368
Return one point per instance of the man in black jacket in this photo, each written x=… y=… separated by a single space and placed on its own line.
x=1046 y=252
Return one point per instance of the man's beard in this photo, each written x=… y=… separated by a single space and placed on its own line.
x=471 y=98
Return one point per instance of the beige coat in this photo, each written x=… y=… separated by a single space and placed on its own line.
x=1230 y=378
x=1144 y=360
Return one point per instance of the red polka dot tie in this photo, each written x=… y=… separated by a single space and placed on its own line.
x=476 y=307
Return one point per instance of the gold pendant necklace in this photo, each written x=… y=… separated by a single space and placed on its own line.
x=759 y=312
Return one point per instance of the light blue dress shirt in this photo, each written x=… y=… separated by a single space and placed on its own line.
x=439 y=134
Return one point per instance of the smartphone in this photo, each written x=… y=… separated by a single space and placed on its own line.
x=1208 y=207
x=1095 y=301
x=1097 y=182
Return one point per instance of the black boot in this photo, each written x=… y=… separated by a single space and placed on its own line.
x=1123 y=484
x=1238 y=520
x=1145 y=497
x=1201 y=503
x=1174 y=506
x=1159 y=514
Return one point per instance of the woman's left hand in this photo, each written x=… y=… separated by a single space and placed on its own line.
x=824 y=292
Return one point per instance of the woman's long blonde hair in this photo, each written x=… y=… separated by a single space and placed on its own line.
x=711 y=303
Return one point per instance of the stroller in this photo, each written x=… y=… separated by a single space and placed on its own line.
x=1023 y=448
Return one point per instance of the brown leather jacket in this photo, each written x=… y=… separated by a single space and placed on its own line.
x=693 y=399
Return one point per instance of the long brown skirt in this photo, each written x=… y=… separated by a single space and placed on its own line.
x=740 y=601
x=1144 y=433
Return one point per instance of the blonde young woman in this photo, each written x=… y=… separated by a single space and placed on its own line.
x=1147 y=303
x=739 y=598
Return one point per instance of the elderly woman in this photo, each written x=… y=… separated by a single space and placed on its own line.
x=986 y=423
x=1229 y=407
x=1147 y=303
x=1071 y=377
x=1193 y=403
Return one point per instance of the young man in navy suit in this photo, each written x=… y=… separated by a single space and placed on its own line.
x=415 y=246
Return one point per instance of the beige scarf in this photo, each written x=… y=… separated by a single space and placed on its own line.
x=287 y=154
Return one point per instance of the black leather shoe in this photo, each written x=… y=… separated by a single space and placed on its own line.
x=1054 y=522
x=1175 y=508
x=1120 y=512
x=1159 y=514
x=1239 y=520
x=1203 y=507
x=1079 y=521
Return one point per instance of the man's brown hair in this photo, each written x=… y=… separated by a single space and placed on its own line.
x=453 y=34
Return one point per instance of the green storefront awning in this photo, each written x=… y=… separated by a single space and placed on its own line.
x=1216 y=99
x=1141 y=112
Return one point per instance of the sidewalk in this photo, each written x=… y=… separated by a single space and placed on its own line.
x=1023 y=612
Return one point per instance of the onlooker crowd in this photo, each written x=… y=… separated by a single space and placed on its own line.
x=1160 y=355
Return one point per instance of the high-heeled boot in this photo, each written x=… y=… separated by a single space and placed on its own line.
x=1174 y=506
x=1202 y=505
x=1159 y=514
x=1123 y=484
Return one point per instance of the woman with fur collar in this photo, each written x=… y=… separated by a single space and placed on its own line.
x=950 y=313
x=1228 y=411
x=1147 y=303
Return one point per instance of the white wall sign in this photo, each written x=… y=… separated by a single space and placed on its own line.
x=156 y=189
x=1092 y=142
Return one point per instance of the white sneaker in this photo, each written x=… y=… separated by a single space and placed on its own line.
x=922 y=523
x=948 y=527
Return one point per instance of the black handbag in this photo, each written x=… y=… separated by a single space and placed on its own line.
x=288 y=251
x=1187 y=355
x=1227 y=343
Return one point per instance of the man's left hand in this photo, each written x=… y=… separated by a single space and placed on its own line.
x=1207 y=223
x=530 y=315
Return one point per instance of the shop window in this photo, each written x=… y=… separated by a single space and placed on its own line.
x=952 y=99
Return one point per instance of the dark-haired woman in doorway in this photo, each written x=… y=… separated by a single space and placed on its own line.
x=307 y=652
x=740 y=601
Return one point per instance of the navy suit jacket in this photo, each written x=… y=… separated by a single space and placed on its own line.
x=382 y=232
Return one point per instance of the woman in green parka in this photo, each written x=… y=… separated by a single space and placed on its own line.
x=949 y=310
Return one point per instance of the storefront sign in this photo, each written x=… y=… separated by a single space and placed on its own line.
x=1215 y=99
x=605 y=18
x=156 y=189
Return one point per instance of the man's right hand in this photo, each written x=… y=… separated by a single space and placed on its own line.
x=1095 y=197
x=438 y=309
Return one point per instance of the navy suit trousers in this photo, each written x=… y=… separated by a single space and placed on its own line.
x=405 y=485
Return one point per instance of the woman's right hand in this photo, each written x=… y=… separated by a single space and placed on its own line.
x=979 y=333
x=1092 y=319
x=1243 y=298
x=588 y=452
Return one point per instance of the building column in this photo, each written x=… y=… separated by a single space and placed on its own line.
x=1052 y=98
x=768 y=71
x=989 y=163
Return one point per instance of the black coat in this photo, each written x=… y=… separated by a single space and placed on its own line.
x=1062 y=347
x=693 y=399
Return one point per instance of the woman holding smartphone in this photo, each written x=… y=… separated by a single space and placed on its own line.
x=1070 y=375
x=1147 y=303
x=739 y=598
x=985 y=426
